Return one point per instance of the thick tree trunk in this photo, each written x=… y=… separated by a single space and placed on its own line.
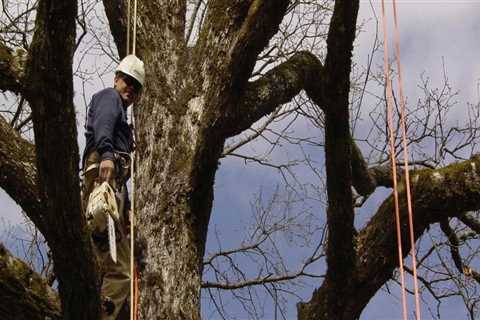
x=194 y=99
x=50 y=95
x=182 y=125
x=175 y=196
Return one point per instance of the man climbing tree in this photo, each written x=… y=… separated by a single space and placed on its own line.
x=201 y=92
x=107 y=159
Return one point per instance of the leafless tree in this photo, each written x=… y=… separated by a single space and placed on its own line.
x=220 y=75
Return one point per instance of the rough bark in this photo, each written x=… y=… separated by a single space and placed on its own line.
x=363 y=180
x=50 y=95
x=19 y=173
x=116 y=12
x=12 y=65
x=438 y=194
x=194 y=99
x=338 y=156
x=24 y=294
x=182 y=122
x=276 y=87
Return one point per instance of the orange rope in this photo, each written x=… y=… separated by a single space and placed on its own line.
x=136 y=294
x=405 y=158
x=393 y=158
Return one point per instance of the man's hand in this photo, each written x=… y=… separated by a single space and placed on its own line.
x=106 y=170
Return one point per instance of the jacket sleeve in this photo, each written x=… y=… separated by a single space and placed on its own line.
x=107 y=113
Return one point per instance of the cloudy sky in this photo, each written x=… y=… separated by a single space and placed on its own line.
x=434 y=34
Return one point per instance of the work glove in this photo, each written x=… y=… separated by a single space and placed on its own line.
x=106 y=170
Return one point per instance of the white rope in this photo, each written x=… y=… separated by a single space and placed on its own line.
x=128 y=28
x=134 y=25
x=132 y=168
x=132 y=227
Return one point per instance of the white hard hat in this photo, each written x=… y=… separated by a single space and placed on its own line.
x=132 y=66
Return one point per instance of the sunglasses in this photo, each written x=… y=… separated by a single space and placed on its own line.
x=130 y=81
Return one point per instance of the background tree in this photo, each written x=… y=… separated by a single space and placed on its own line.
x=209 y=78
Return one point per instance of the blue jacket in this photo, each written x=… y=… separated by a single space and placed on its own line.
x=107 y=128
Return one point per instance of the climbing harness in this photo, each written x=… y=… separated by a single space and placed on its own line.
x=393 y=160
x=134 y=279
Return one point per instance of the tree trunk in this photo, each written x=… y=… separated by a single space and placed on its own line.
x=175 y=194
x=50 y=95
x=194 y=99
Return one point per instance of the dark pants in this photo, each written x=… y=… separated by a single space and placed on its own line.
x=115 y=276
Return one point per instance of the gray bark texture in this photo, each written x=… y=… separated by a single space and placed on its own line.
x=194 y=99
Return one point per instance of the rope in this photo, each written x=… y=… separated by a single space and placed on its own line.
x=137 y=281
x=393 y=159
x=133 y=274
x=128 y=28
x=405 y=157
x=134 y=278
x=134 y=25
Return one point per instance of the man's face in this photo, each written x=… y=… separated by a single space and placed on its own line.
x=128 y=88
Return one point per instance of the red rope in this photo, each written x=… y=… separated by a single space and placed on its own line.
x=136 y=279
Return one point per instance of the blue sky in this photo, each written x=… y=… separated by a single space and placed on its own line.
x=434 y=35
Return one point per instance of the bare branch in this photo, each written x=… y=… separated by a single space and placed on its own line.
x=470 y=221
x=261 y=281
x=12 y=68
x=276 y=87
x=454 y=244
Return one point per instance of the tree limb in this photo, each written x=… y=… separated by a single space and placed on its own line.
x=18 y=173
x=12 y=64
x=335 y=88
x=470 y=222
x=50 y=96
x=116 y=12
x=259 y=281
x=276 y=87
x=454 y=243
x=233 y=35
x=437 y=194
x=279 y=85
x=24 y=294
x=363 y=179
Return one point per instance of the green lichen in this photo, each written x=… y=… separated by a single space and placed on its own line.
x=24 y=292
